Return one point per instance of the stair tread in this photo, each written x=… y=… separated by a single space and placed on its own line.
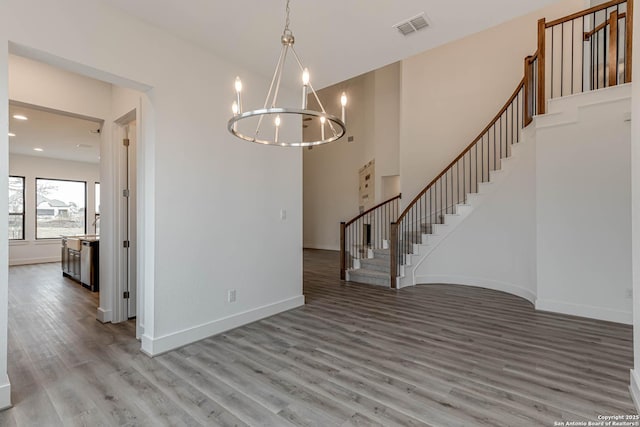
x=367 y=272
x=381 y=250
x=375 y=261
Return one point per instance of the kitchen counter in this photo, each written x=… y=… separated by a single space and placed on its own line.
x=81 y=260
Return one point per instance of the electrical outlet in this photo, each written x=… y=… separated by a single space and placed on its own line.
x=231 y=295
x=629 y=293
x=283 y=214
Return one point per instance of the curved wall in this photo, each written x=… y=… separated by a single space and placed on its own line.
x=494 y=247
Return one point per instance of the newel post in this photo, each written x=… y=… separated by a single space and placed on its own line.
x=528 y=114
x=541 y=64
x=343 y=253
x=613 y=48
x=393 y=255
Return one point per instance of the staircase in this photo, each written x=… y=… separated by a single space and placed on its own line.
x=373 y=271
x=383 y=245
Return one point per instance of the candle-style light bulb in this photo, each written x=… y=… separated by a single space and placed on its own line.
x=234 y=108
x=343 y=102
x=238 y=85
x=305 y=87
x=277 y=122
x=323 y=120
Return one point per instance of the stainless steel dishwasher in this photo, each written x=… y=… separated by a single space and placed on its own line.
x=89 y=264
x=86 y=256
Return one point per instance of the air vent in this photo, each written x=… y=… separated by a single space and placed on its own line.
x=412 y=25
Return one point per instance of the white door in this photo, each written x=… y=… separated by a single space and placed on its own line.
x=131 y=167
x=129 y=216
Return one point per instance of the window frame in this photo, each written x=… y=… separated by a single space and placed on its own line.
x=24 y=180
x=36 y=204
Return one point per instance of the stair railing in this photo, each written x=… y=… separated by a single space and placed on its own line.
x=585 y=51
x=461 y=177
x=367 y=231
x=581 y=52
x=599 y=57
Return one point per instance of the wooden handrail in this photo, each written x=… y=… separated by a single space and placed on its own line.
x=585 y=12
x=466 y=150
x=399 y=196
x=588 y=34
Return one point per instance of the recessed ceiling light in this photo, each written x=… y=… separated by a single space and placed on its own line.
x=20 y=117
x=83 y=146
x=12 y=134
x=38 y=149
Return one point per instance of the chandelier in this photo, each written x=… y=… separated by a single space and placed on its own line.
x=272 y=118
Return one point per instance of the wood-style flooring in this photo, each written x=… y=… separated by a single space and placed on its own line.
x=354 y=355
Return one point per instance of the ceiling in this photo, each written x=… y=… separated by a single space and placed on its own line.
x=59 y=136
x=337 y=39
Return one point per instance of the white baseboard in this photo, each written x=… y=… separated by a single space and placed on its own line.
x=104 y=316
x=634 y=389
x=158 y=345
x=5 y=393
x=478 y=282
x=28 y=261
x=588 y=311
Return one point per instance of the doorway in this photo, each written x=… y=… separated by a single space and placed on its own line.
x=79 y=95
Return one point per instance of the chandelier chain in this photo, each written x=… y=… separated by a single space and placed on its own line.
x=288 y=21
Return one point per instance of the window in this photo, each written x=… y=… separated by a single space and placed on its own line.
x=60 y=208
x=16 y=208
x=96 y=222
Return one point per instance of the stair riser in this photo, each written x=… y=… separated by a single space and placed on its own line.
x=375 y=265
x=381 y=254
x=355 y=277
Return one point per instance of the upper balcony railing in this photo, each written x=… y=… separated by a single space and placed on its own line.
x=584 y=51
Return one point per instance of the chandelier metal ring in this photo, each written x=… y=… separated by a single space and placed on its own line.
x=339 y=133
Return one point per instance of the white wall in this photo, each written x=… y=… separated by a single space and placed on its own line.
x=583 y=189
x=557 y=228
x=386 y=124
x=426 y=110
x=30 y=250
x=449 y=94
x=213 y=202
x=34 y=82
x=495 y=246
x=331 y=171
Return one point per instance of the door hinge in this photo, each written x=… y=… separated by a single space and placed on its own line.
x=125 y=295
x=125 y=193
x=125 y=142
x=126 y=244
